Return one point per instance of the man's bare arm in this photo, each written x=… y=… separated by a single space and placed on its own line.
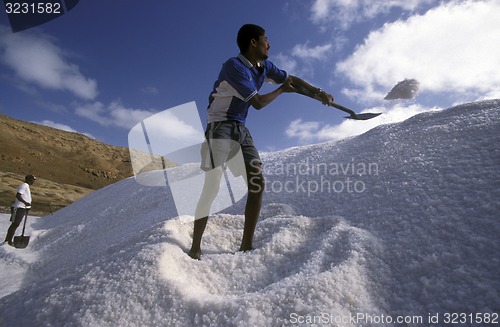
x=260 y=101
x=20 y=198
x=298 y=84
x=292 y=84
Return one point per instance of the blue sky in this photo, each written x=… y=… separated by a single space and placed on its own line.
x=106 y=65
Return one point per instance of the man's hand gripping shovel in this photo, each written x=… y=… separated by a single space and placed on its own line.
x=352 y=114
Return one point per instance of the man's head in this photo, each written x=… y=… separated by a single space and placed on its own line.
x=253 y=38
x=30 y=179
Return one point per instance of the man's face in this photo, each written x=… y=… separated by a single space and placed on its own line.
x=262 y=47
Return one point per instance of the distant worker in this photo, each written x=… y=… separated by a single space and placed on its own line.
x=21 y=206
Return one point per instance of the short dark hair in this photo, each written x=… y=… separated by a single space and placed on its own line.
x=247 y=33
x=29 y=177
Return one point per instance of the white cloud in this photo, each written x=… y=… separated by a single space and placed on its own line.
x=303 y=51
x=168 y=130
x=344 y=13
x=299 y=60
x=63 y=127
x=308 y=132
x=115 y=114
x=286 y=63
x=36 y=59
x=452 y=48
x=127 y=117
x=165 y=132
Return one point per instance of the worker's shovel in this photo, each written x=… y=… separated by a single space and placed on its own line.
x=352 y=114
x=22 y=241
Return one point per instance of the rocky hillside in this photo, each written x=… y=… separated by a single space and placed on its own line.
x=68 y=165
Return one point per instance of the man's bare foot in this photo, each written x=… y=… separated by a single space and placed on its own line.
x=245 y=248
x=195 y=254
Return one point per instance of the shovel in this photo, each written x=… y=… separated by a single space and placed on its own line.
x=22 y=241
x=352 y=114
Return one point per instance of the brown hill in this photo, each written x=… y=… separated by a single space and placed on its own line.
x=68 y=165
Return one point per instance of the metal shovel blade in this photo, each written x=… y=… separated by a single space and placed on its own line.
x=364 y=116
x=21 y=242
x=354 y=115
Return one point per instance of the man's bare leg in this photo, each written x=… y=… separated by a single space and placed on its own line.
x=254 y=202
x=199 y=228
x=208 y=194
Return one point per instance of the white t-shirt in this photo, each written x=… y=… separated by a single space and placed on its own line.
x=24 y=190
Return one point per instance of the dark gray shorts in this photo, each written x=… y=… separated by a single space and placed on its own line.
x=223 y=140
x=18 y=215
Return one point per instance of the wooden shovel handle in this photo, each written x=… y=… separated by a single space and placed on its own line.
x=306 y=92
